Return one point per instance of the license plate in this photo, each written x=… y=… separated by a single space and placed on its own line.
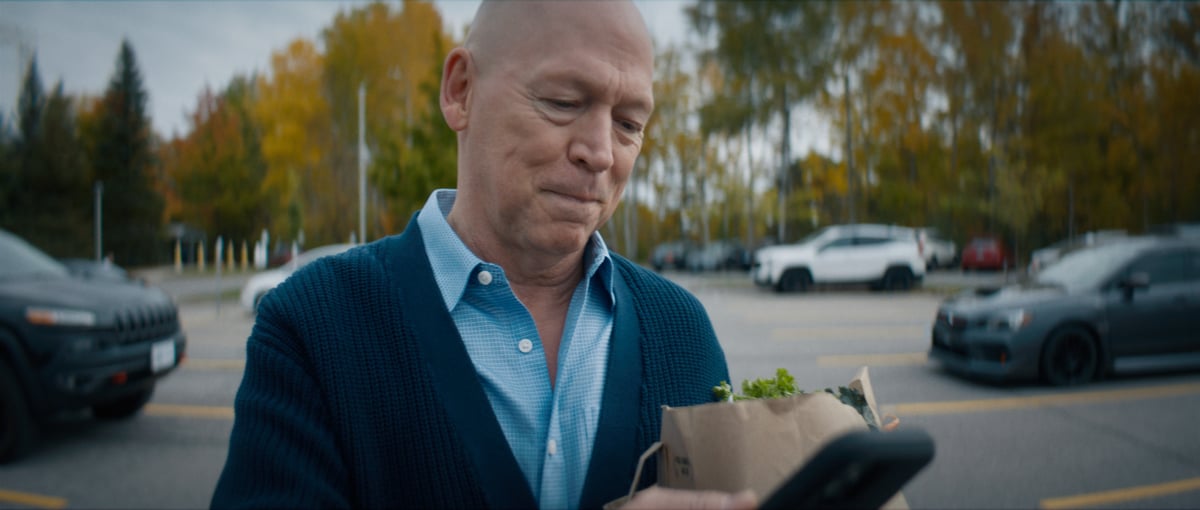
x=162 y=355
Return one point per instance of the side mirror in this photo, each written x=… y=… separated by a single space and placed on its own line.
x=1134 y=281
x=1138 y=280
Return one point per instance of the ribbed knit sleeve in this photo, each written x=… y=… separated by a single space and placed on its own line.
x=282 y=453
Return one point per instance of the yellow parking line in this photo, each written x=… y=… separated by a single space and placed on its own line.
x=31 y=500
x=186 y=411
x=874 y=360
x=1000 y=404
x=214 y=364
x=1122 y=495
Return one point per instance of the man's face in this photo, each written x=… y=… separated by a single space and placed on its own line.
x=554 y=129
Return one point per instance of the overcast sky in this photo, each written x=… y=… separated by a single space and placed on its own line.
x=181 y=46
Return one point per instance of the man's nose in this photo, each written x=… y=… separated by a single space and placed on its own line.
x=592 y=142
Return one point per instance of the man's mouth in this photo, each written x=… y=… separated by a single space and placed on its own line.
x=581 y=198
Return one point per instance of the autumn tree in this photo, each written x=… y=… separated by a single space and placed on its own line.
x=390 y=53
x=293 y=116
x=217 y=169
x=417 y=156
x=780 y=50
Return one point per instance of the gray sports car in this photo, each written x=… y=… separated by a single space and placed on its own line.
x=1127 y=305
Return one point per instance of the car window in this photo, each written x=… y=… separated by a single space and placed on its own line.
x=1089 y=268
x=1191 y=265
x=815 y=235
x=870 y=241
x=839 y=243
x=1161 y=267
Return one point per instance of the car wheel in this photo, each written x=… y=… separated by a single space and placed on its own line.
x=897 y=278
x=794 y=280
x=1070 y=357
x=17 y=429
x=124 y=407
x=933 y=262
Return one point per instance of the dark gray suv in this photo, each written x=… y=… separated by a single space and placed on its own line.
x=1130 y=305
x=73 y=343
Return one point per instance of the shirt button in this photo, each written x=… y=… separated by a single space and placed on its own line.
x=525 y=345
x=552 y=447
x=485 y=277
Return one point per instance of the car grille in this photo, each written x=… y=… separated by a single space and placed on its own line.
x=145 y=323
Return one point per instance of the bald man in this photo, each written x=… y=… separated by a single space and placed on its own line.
x=495 y=354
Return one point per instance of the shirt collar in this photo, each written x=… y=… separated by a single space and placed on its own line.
x=453 y=263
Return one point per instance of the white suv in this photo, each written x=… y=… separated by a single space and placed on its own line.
x=884 y=256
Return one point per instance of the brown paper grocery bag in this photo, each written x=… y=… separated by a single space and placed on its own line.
x=749 y=444
x=752 y=444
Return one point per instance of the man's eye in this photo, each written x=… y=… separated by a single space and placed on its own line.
x=562 y=104
x=630 y=126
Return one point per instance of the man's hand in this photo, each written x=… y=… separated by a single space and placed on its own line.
x=660 y=498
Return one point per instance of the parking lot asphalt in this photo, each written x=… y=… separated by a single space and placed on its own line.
x=1122 y=443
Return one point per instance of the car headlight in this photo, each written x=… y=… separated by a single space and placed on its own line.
x=1010 y=320
x=60 y=317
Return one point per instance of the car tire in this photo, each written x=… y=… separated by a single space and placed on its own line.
x=1070 y=357
x=124 y=407
x=794 y=280
x=897 y=279
x=18 y=432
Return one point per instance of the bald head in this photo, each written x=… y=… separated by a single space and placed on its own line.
x=513 y=27
x=549 y=101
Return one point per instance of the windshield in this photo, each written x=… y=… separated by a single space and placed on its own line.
x=22 y=260
x=813 y=236
x=1088 y=268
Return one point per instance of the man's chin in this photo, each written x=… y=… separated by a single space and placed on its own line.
x=564 y=240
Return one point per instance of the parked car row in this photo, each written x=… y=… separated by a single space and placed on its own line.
x=1127 y=303
x=718 y=255
x=938 y=251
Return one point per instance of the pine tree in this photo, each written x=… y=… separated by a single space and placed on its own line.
x=30 y=104
x=122 y=162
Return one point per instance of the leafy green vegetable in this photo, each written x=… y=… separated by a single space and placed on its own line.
x=784 y=385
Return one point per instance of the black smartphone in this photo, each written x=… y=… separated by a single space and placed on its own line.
x=862 y=469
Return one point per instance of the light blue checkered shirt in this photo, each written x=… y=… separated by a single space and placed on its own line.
x=550 y=430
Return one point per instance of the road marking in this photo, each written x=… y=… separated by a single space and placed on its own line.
x=215 y=364
x=31 y=500
x=859 y=332
x=873 y=360
x=1001 y=404
x=1122 y=495
x=186 y=411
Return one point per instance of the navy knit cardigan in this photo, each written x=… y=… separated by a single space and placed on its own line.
x=358 y=391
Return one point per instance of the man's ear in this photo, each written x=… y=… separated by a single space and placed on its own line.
x=458 y=77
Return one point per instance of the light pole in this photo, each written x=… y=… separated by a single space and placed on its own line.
x=362 y=164
x=98 y=194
